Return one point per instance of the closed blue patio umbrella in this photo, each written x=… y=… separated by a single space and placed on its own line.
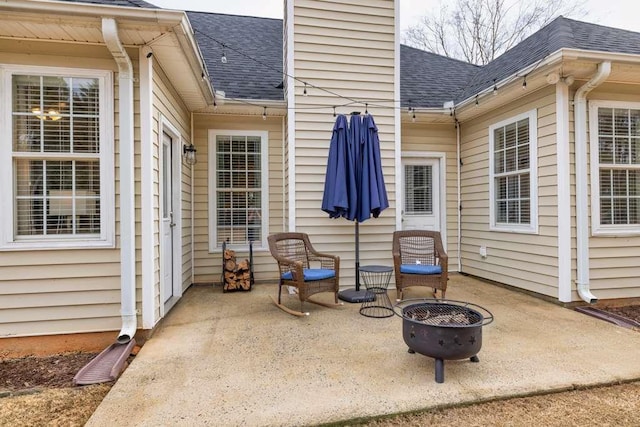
x=367 y=194
x=339 y=186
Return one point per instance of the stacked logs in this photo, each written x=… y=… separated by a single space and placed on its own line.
x=237 y=275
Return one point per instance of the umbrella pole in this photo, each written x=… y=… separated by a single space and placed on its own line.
x=357 y=256
x=356 y=295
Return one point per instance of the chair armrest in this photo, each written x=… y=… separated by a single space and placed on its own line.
x=295 y=267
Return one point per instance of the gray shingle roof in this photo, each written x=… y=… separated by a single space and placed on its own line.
x=246 y=38
x=125 y=3
x=560 y=33
x=430 y=80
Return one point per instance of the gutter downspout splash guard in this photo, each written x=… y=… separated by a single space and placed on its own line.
x=582 y=220
x=127 y=194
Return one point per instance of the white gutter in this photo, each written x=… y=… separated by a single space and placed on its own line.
x=459 y=207
x=160 y=16
x=582 y=214
x=127 y=191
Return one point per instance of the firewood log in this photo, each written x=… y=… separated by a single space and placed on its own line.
x=230 y=265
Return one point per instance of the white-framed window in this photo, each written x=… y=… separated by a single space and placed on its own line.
x=614 y=129
x=238 y=188
x=513 y=174
x=56 y=156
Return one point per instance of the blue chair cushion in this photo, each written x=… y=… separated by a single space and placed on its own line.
x=311 y=274
x=420 y=269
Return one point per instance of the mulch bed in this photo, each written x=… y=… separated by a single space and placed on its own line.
x=41 y=372
x=629 y=311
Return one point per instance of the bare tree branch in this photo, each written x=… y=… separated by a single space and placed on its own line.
x=478 y=31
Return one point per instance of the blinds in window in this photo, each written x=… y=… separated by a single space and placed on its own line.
x=418 y=189
x=511 y=163
x=239 y=189
x=619 y=165
x=56 y=150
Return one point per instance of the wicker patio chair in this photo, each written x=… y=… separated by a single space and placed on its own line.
x=419 y=259
x=302 y=267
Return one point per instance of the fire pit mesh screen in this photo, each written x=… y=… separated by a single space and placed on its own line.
x=442 y=314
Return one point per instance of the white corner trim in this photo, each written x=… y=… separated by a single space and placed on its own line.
x=148 y=220
x=564 y=192
x=532 y=228
x=291 y=115
x=397 y=117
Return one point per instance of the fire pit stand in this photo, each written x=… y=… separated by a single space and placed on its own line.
x=443 y=329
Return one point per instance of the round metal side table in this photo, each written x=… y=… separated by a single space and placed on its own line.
x=376 y=279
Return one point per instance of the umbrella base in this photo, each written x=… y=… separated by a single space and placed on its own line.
x=351 y=295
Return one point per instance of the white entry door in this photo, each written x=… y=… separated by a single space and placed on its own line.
x=421 y=193
x=168 y=224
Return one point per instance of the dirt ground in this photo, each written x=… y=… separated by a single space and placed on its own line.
x=39 y=391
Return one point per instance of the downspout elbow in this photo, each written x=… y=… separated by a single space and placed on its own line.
x=582 y=225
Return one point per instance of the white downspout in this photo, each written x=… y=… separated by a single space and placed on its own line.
x=582 y=214
x=459 y=167
x=127 y=191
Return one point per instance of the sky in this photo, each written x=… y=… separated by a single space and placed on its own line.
x=614 y=13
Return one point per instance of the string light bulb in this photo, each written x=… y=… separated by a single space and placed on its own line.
x=334 y=111
x=413 y=118
x=215 y=105
x=304 y=91
x=495 y=87
x=524 y=83
x=366 y=108
x=264 y=113
x=477 y=103
x=223 y=59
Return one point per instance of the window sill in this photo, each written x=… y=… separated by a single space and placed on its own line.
x=514 y=229
x=616 y=232
x=59 y=245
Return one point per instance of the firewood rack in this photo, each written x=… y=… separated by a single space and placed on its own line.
x=223 y=278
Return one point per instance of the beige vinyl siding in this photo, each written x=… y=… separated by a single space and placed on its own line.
x=614 y=261
x=528 y=261
x=348 y=48
x=208 y=266
x=167 y=103
x=60 y=291
x=439 y=138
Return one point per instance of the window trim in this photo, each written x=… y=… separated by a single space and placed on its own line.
x=264 y=164
x=531 y=228
x=598 y=229
x=8 y=240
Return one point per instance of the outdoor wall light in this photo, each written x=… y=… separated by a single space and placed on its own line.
x=189 y=154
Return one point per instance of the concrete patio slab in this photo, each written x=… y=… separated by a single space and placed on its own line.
x=236 y=359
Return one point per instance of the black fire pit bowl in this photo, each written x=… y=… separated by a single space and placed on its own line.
x=443 y=329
